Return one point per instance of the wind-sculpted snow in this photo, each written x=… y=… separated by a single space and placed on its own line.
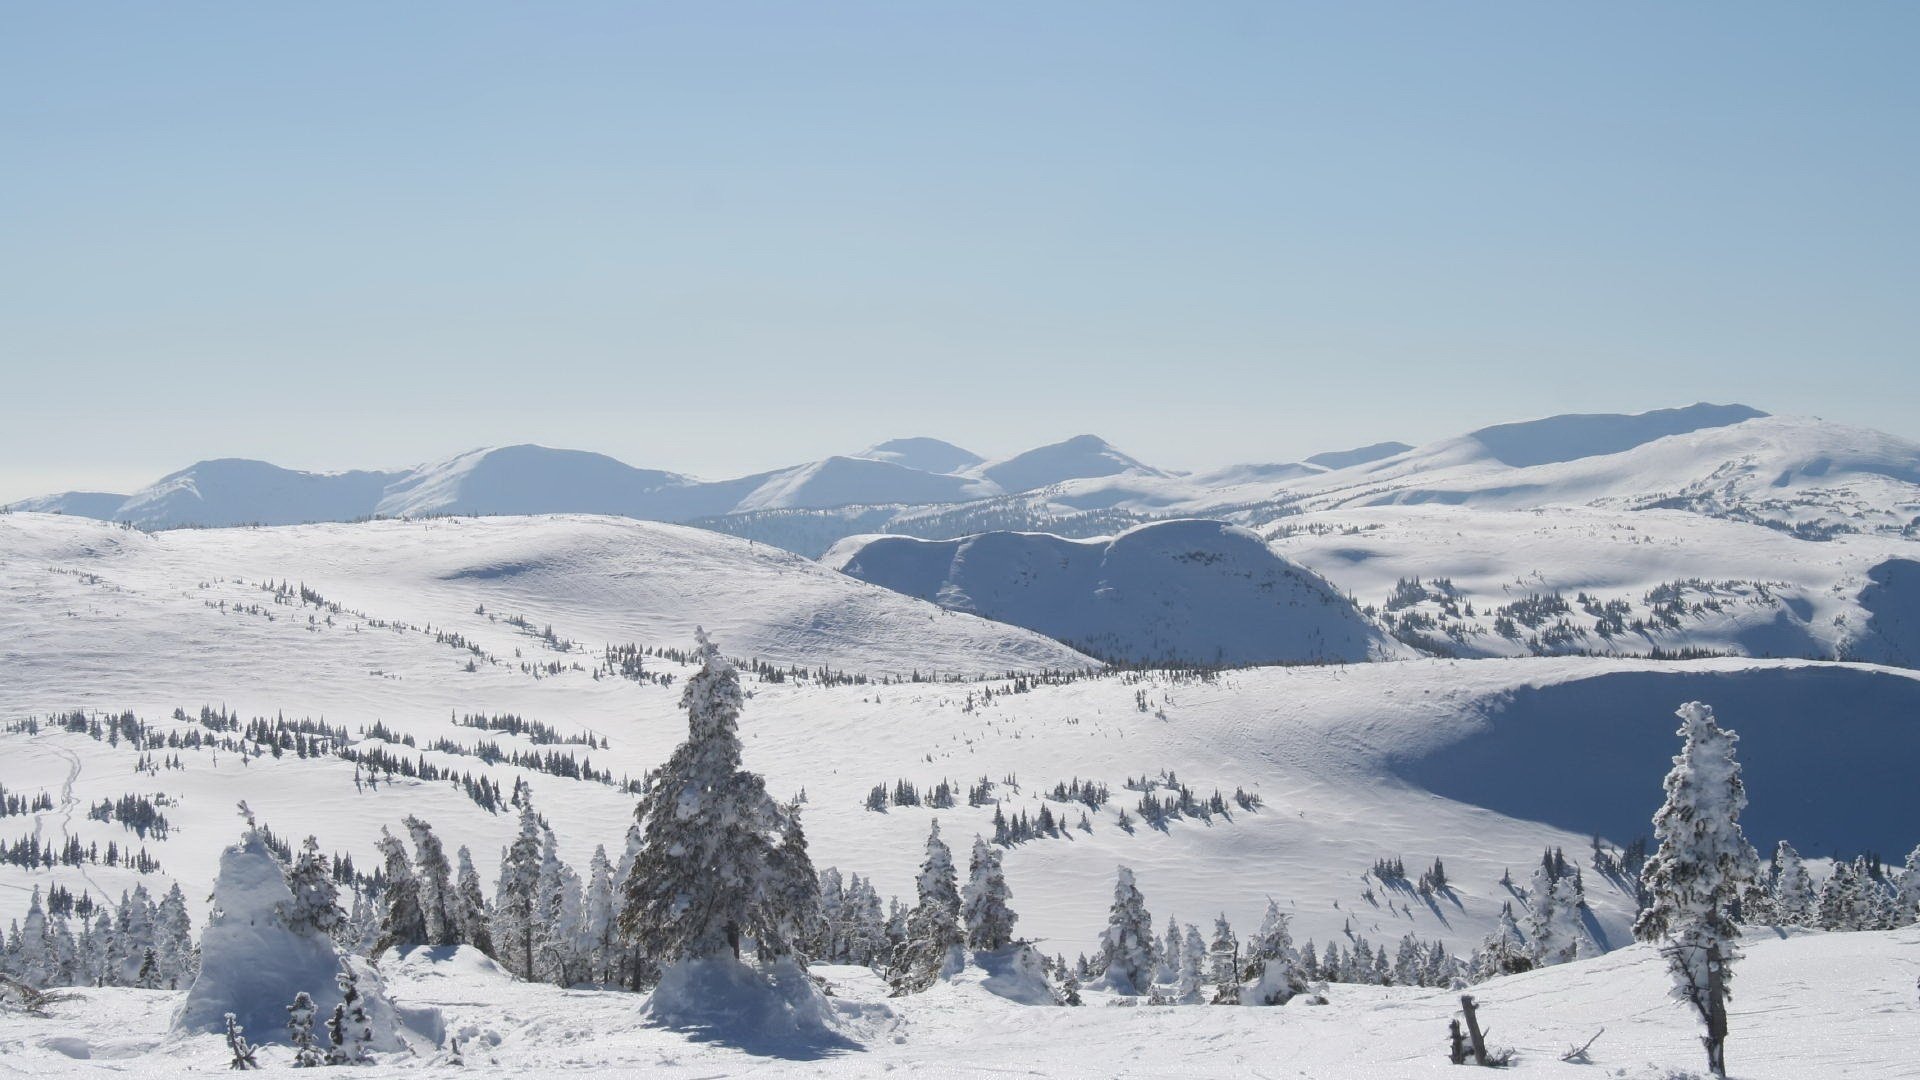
x=1198 y=592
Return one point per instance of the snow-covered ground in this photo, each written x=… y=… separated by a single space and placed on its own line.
x=1806 y=1006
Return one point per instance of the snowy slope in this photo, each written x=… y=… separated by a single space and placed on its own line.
x=1837 y=1006
x=1666 y=580
x=1175 y=592
x=109 y=619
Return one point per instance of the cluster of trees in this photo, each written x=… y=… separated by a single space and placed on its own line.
x=69 y=942
x=1187 y=968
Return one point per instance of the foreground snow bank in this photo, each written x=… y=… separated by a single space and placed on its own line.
x=777 y=1010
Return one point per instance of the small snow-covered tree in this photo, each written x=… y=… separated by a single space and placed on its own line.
x=934 y=932
x=517 y=894
x=470 y=906
x=1126 y=948
x=173 y=940
x=1793 y=892
x=350 y=1031
x=1554 y=921
x=794 y=894
x=1223 y=963
x=306 y=1050
x=1193 y=959
x=984 y=903
x=1504 y=952
x=30 y=954
x=404 y=921
x=316 y=899
x=435 y=874
x=1167 y=956
x=601 y=943
x=1907 y=904
x=1273 y=972
x=708 y=875
x=1694 y=879
x=559 y=924
x=237 y=1045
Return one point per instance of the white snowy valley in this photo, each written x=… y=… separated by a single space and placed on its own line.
x=1059 y=764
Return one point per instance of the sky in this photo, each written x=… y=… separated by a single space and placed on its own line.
x=719 y=237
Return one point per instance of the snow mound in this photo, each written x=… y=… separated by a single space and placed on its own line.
x=252 y=965
x=1177 y=591
x=1015 y=973
x=777 y=1011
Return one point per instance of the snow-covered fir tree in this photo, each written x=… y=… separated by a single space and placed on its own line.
x=1126 y=947
x=1793 y=892
x=984 y=901
x=517 y=894
x=404 y=922
x=436 y=883
x=174 y=950
x=934 y=931
x=600 y=943
x=1193 y=961
x=1907 y=904
x=1273 y=972
x=307 y=1053
x=1223 y=963
x=796 y=892
x=1553 y=919
x=1695 y=877
x=470 y=905
x=316 y=898
x=559 y=922
x=350 y=1030
x=707 y=876
x=1504 y=952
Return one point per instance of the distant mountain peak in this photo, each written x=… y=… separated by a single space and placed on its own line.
x=1079 y=458
x=925 y=454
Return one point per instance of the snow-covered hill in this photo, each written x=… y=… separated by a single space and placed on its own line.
x=414 y=625
x=1192 y=592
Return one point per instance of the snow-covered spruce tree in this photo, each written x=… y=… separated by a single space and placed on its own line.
x=1793 y=892
x=796 y=889
x=559 y=922
x=983 y=904
x=1167 y=956
x=350 y=1030
x=833 y=914
x=1695 y=877
x=1223 y=963
x=306 y=1050
x=1193 y=960
x=934 y=932
x=631 y=968
x=1272 y=972
x=404 y=922
x=1126 y=947
x=315 y=907
x=30 y=955
x=436 y=883
x=1504 y=952
x=1554 y=919
x=600 y=948
x=470 y=906
x=517 y=893
x=173 y=940
x=706 y=878
x=1907 y=903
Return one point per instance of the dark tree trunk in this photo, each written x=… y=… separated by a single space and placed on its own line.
x=1716 y=1039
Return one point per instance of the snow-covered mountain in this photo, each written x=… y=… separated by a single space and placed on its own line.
x=529 y=479
x=1176 y=592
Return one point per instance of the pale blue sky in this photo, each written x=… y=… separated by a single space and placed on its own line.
x=722 y=236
